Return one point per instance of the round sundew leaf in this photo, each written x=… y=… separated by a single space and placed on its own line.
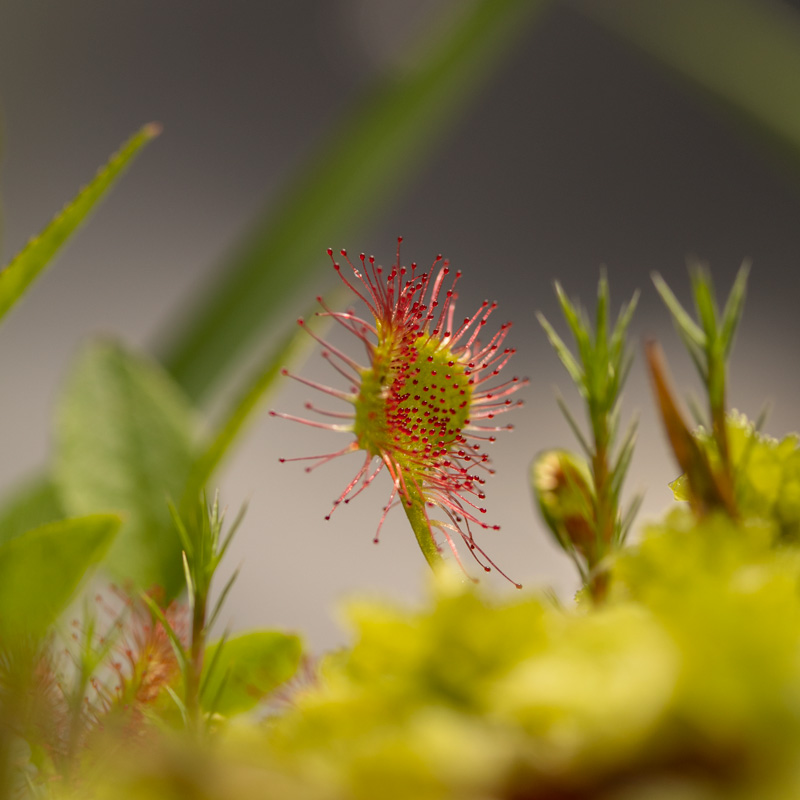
x=413 y=402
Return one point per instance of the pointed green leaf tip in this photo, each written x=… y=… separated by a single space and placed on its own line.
x=30 y=262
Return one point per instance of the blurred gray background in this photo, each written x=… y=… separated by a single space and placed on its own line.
x=579 y=153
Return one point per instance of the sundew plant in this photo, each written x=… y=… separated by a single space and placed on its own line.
x=673 y=672
x=426 y=400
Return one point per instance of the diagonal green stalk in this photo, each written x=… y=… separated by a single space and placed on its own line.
x=377 y=144
x=743 y=54
x=17 y=277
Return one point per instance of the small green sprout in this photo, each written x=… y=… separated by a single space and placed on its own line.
x=579 y=499
x=709 y=342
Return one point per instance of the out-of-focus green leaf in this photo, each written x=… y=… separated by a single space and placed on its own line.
x=32 y=504
x=27 y=265
x=124 y=442
x=247 y=668
x=359 y=167
x=746 y=53
x=41 y=569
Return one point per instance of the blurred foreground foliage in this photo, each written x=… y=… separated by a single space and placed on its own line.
x=685 y=682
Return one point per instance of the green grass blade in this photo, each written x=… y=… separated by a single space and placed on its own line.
x=28 y=264
x=689 y=330
x=578 y=324
x=625 y=454
x=563 y=352
x=630 y=515
x=30 y=504
x=744 y=53
x=734 y=306
x=377 y=145
x=174 y=638
x=704 y=300
x=621 y=328
x=573 y=426
x=223 y=595
x=601 y=319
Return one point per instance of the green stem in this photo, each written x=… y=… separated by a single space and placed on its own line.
x=606 y=512
x=414 y=507
x=194 y=663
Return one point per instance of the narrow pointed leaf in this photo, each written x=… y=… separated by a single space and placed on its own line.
x=689 y=330
x=630 y=515
x=621 y=326
x=26 y=267
x=210 y=661
x=573 y=425
x=578 y=325
x=601 y=320
x=734 y=306
x=221 y=600
x=703 y=290
x=563 y=352
x=175 y=640
x=623 y=461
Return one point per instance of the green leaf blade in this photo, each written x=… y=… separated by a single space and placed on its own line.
x=124 y=442
x=689 y=330
x=41 y=570
x=378 y=144
x=732 y=314
x=17 y=277
x=744 y=54
x=564 y=354
x=32 y=504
